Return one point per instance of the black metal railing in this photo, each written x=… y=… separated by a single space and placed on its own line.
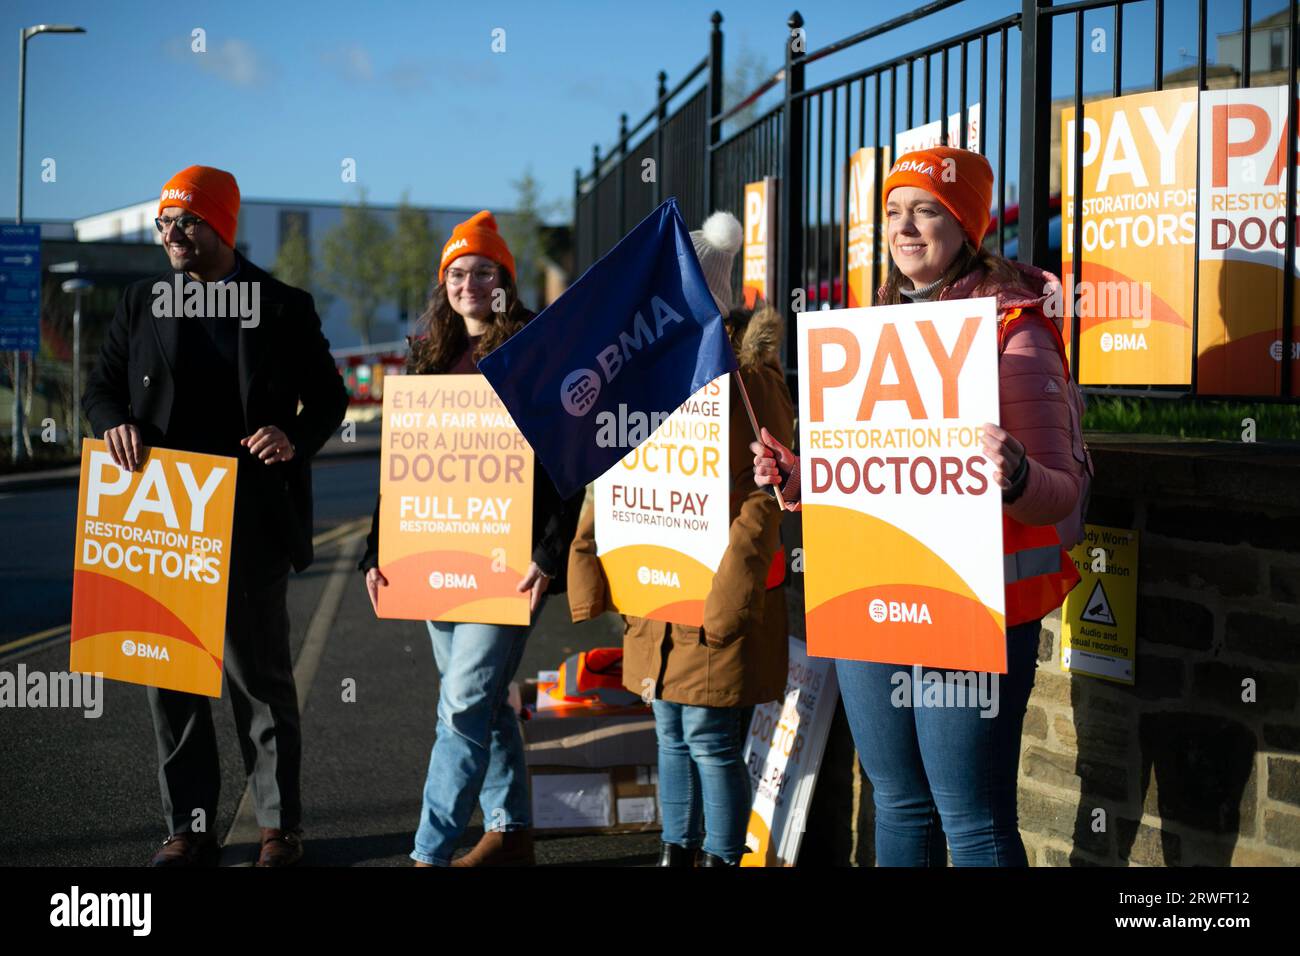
x=807 y=139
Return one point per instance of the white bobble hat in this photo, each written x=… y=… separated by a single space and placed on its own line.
x=716 y=245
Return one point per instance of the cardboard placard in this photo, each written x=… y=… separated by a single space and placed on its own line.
x=783 y=753
x=663 y=512
x=456 y=503
x=1243 y=236
x=902 y=520
x=152 y=568
x=866 y=218
x=1135 y=277
x=758 y=277
x=927 y=135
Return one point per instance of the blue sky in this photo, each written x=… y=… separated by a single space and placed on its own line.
x=411 y=90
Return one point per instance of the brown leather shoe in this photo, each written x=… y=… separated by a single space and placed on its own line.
x=501 y=848
x=186 y=849
x=280 y=847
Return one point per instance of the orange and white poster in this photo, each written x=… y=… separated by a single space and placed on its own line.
x=927 y=135
x=759 y=274
x=455 y=502
x=663 y=513
x=152 y=567
x=1139 y=238
x=902 y=520
x=865 y=218
x=1243 y=235
x=783 y=752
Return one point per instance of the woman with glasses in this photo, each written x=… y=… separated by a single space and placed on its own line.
x=479 y=753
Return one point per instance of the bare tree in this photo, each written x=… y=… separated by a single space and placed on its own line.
x=746 y=72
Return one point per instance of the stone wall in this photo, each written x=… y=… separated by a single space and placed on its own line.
x=1198 y=763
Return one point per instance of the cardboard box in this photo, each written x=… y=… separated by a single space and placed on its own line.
x=591 y=741
x=592 y=771
x=568 y=800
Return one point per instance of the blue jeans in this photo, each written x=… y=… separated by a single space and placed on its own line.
x=479 y=752
x=943 y=770
x=703 y=784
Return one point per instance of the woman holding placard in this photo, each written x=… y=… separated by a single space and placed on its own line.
x=952 y=771
x=479 y=752
x=703 y=682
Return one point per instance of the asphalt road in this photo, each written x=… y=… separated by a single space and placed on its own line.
x=40 y=536
x=80 y=791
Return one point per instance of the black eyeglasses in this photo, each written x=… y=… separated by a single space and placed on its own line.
x=187 y=224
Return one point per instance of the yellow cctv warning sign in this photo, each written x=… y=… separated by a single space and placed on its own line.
x=1096 y=610
x=1098 y=621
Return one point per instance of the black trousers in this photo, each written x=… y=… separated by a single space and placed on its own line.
x=259 y=678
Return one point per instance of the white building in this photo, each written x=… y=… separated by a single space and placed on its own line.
x=1267 y=48
x=263 y=226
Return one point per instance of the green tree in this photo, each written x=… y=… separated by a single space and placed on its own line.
x=522 y=231
x=355 y=264
x=412 y=259
x=293 y=264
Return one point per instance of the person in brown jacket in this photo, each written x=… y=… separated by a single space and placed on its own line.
x=706 y=680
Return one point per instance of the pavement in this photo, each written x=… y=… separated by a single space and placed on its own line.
x=78 y=790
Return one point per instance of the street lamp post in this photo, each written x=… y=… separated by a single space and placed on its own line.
x=76 y=286
x=26 y=33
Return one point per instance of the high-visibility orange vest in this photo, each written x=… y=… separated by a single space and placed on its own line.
x=1039 y=571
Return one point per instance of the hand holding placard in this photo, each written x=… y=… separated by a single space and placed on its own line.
x=1004 y=452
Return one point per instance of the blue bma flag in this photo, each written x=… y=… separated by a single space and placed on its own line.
x=639 y=329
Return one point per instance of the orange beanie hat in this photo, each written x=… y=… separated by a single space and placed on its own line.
x=211 y=194
x=964 y=185
x=477 y=236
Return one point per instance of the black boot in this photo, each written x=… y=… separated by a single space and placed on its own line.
x=673 y=855
x=708 y=859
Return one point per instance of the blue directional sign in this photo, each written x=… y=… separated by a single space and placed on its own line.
x=20 y=288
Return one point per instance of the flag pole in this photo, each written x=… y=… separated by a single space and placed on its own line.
x=774 y=490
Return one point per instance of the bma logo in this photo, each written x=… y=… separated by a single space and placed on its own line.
x=898 y=612
x=438 y=580
x=453 y=248
x=913 y=166
x=140 y=649
x=667 y=579
x=1119 y=342
x=579 y=390
x=580 y=387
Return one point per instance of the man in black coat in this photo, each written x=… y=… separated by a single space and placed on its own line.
x=226 y=385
